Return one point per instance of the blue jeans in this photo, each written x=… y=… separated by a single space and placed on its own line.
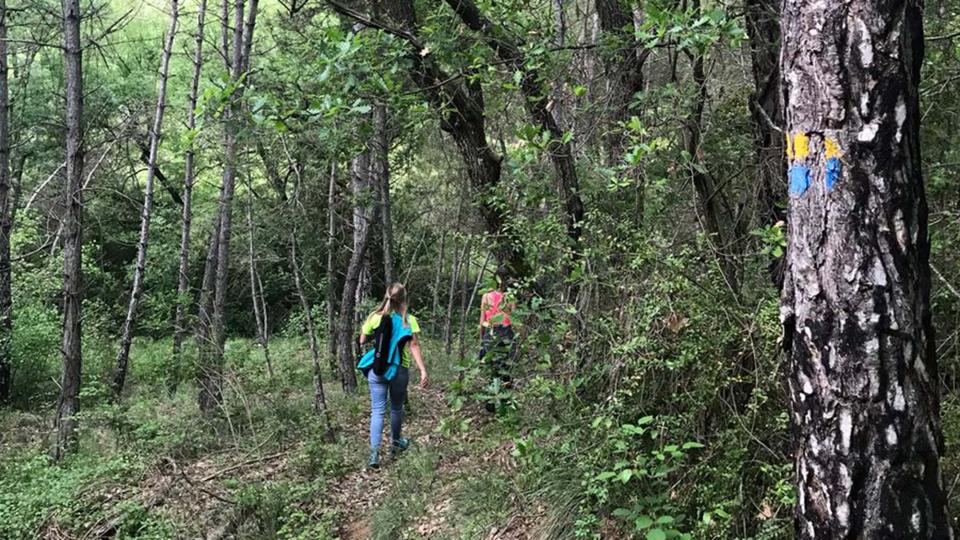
x=379 y=389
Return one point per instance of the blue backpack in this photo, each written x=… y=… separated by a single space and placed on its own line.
x=389 y=339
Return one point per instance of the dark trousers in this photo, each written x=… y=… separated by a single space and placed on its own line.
x=497 y=351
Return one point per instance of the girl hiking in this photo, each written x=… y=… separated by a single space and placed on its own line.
x=387 y=367
x=496 y=332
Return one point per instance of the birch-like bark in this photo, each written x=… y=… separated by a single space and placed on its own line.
x=363 y=216
x=183 y=269
x=380 y=163
x=211 y=361
x=331 y=265
x=855 y=308
x=256 y=290
x=6 y=299
x=68 y=404
x=452 y=296
x=140 y=270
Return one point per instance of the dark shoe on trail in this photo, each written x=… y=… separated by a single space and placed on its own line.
x=399 y=445
x=374 y=461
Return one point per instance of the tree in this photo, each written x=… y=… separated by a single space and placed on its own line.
x=183 y=269
x=364 y=215
x=535 y=93
x=126 y=337
x=381 y=171
x=856 y=299
x=6 y=299
x=69 y=402
x=462 y=115
x=211 y=357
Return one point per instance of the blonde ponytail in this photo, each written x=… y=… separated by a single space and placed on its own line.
x=395 y=299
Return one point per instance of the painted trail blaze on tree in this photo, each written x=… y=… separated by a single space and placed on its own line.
x=856 y=306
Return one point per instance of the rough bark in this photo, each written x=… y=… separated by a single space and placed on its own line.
x=381 y=169
x=535 y=92
x=623 y=69
x=183 y=268
x=361 y=239
x=136 y=291
x=6 y=299
x=462 y=115
x=856 y=299
x=624 y=72
x=363 y=186
x=68 y=404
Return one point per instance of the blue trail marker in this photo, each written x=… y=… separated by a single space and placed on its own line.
x=799 y=179
x=833 y=173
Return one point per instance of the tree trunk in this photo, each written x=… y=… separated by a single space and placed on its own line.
x=381 y=168
x=69 y=402
x=856 y=298
x=212 y=361
x=535 y=94
x=439 y=271
x=763 y=27
x=712 y=206
x=183 y=269
x=6 y=299
x=126 y=335
x=319 y=400
x=256 y=289
x=471 y=295
x=462 y=116
x=360 y=181
x=452 y=296
x=624 y=75
x=363 y=186
x=331 y=265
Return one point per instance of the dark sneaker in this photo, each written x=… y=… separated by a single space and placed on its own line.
x=399 y=445
x=374 y=461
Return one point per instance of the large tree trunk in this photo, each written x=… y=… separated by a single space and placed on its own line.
x=624 y=73
x=856 y=299
x=623 y=68
x=535 y=94
x=126 y=335
x=183 y=269
x=363 y=186
x=6 y=299
x=380 y=163
x=69 y=403
x=462 y=115
x=362 y=219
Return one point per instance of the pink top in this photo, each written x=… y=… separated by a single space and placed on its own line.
x=494 y=299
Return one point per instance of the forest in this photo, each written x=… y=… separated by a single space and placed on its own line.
x=671 y=269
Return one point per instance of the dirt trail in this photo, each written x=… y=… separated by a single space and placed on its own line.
x=357 y=493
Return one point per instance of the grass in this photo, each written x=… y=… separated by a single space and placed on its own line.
x=153 y=467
